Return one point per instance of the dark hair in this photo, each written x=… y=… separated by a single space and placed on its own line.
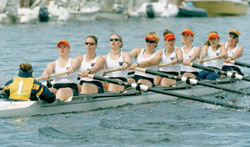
x=25 y=67
x=167 y=31
x=93 y=37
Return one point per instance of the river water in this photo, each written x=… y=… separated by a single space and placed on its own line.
x=178 y=123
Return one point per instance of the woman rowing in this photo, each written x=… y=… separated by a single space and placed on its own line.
x=116 y=63
x=146 y=58
x=65 y=85
x=189 y=54
x=90 y=63
x=234 y=51
x=212 y=55
x=170 y=59
x=24 y=87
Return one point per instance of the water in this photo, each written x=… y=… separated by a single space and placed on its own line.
x=178 y=123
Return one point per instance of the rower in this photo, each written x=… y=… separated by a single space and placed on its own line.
x=65 y=86
x=234 y=51
x=212 y=55
x=189 y=54
x=170 y=59
x=118 y=60
x=90 y=63
x=146 y=58
x=24 y=87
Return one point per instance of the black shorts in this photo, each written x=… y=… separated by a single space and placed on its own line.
x=73 y=86
x=230 y=68
x=137 y=78
x=195 y=73
x=98 y=84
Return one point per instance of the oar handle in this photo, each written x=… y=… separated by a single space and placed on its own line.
x=240 y=63
x=209 y=59
x=113 y=70
x=53 y=75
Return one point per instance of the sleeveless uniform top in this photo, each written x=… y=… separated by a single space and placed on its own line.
x=230 y=54
x=71 y=78
x=140 y=59
x=87 y=65
x=165 y=59
x=187 y=56
x=110 y=64
x=214 y=63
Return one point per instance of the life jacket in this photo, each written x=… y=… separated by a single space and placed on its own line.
x=20 y=88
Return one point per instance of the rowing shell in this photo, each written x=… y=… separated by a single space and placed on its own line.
x=108 y=100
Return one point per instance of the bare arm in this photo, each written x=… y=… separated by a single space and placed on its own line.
x=48 y=70
x=203 y=54
x=151 y=62
x=127 y=60
x=195 y=55
x=134 y=53
x=75 y=64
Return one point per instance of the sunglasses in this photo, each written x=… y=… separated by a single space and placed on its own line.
x=150 y=41
x=115 y=39
x=89 y=43
x=233 y=36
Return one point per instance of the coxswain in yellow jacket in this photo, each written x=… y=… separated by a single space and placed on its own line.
x=24 y=87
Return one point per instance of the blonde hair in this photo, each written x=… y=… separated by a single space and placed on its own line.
x=156 y=36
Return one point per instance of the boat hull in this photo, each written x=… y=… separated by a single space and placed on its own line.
x=222 y=8
x=107 y=100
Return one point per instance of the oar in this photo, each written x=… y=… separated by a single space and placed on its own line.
x=53 y=75
x=188 y=80
x=209 y=59
x=113 y=70
x=239 y=63
x=146 y=88
x=229 y=74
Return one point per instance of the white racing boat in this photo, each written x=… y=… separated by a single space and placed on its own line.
x=107 y=100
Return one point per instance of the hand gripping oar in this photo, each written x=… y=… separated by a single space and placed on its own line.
x=53 y=75
x=188 y=80
x=239 y=63
x=113 y=70
x=229 y=74
x=146 y=88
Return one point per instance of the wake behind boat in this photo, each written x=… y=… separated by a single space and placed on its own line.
x=92 y=102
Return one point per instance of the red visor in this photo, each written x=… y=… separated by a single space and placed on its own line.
x=188 y=31
x=213 y=35
x=63 y=42
x=151 y=37
x=169 y=36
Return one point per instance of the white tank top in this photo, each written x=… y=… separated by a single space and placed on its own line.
x=140 y=59
x=165 y=59
x=110 y=64
x=87 y=65
x=213 y=63
x=187 y=56
x=230 y=54
x=71 y=78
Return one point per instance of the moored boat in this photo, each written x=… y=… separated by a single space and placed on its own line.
x=185 y=11
x=222 y=7
x=99 y=101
